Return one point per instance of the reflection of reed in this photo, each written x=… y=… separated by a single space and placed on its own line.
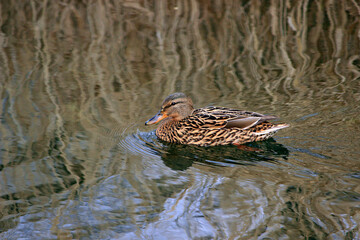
x=189 y=44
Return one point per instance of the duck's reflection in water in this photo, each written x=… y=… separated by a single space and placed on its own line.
x=181 y=157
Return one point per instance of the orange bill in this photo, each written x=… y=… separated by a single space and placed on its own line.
x=155 y=119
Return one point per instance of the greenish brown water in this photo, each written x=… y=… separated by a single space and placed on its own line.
x=79 y=79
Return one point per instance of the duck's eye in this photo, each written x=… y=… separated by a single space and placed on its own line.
x=171 y=104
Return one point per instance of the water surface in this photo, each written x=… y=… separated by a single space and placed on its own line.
x=79 y=79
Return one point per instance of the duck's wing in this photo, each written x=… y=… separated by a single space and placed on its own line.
x=220 y=117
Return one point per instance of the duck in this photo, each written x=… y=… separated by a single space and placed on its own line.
x=210 y=126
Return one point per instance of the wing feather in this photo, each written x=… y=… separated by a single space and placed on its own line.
x=220 y=117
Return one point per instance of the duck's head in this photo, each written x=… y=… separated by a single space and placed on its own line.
x=177 y=106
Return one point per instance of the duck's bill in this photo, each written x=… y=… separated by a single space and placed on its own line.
x=155 y=119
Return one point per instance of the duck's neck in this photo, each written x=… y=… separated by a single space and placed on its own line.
x=168 y=123
x=166 y=129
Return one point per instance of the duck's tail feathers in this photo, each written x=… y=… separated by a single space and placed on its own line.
x=273 y=129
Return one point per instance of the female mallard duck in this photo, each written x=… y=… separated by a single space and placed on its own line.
x=210 y=126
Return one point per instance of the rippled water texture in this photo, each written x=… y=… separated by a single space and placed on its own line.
x=80 y=78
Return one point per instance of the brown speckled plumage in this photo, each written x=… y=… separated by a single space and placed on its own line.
x=210 y=126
